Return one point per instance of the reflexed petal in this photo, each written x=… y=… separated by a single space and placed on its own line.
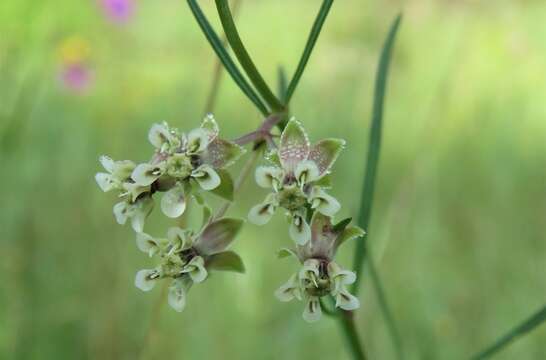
x=347 y=301
x=218 y=235
x=179 y=238
x=268 y=177
x=122 y=212
x=310 y=270
x=294 y=145
x=289 y=290
x=323 y=203
x=107 y=163
x=135 y=190
x=105 y=181
x=340 y=276
x=306 y=172
x=299 y=230
x=177 y=293
x=196 y=269
x=146 y=174
x=123 y=169
x=325 y=152
x=312 y=311
x=206 y=177
x=159 y=135
x=142 y=208
x=145 y=279
x=262 y=213
x=222 y=153
x=147 y=244
x=198 y=140
x=173 y=202
x=209 y=124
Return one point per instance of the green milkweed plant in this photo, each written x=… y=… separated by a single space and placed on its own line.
x=187 y=163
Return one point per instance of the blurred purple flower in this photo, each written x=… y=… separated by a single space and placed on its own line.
x=76 y=77
x=119 y=11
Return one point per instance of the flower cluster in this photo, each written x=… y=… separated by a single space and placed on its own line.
x=319 y=275
x=187 y=257
x=182 y=165
x=298 y=180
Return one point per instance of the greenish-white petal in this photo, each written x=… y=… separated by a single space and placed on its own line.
x=173 y=203
x=196 y=269
x=312 y=311
x=339 y=275
x=122 y=211
x=177 y=293
x=210 y=125
x=218 y=235
x=347 y=301
x=261 y=213
x=294 y=145
x=299 y=230
x=146 y=174
x=123 y=169
x=289 y=290
x=135 y=190
x=306 y=171
x=310 y=270
x=198 y=140
x=147 y=244
x=325 y=152
x=179 y=238
x=105 y=181
x=323 y=202
x=145 y=279
x=268 y=177
x=207 y=177
x=159 y=135
x=142 y=208
x=107 y=163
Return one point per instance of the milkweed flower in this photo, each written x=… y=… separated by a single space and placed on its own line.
x=319 y=274
x=298 y=180
x=182 y=165
x=187 y=258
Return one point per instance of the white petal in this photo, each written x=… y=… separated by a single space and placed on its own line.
x=347 y=301
x=105 y=181
x=268 y=176
x=198 y=140
x=177 y=293
x=146 y=243
x=324 y=203
x=135 y=190
x=121 y=212
x=299 y=230
x=107 y=163
x=158 y=135
x=261 y=214
x=146 y=174
x=196 y=269
x=173 y=202
x=306 y=171
x=207 y=177
x=309 y=270
x=142 y=208
x=289 y=290
x=179 y=238
x=143 y=279
x=343 y=277
x=312 y=311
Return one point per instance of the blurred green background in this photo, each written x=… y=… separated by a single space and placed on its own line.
x=458 y=230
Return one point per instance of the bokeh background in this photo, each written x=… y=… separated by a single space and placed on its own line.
x=458 y=229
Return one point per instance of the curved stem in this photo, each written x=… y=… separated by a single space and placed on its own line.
x=242 y=55
x=348 y=326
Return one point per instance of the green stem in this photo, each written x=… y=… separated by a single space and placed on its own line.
x=244 y=58
x=311 y=41
x=346 y=320
x=529 y=324
x=224 y=57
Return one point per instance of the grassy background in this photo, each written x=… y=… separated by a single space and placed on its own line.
x=459 y=219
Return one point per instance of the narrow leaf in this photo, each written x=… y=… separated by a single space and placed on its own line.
x=529 y=324
x=311 y=41
x=224 y=57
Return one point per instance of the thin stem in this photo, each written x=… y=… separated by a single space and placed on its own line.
x=527 y=325
x=244 y=58
x=217 y=72
x=346 y=320
x=224 y=57
x=311 y=41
